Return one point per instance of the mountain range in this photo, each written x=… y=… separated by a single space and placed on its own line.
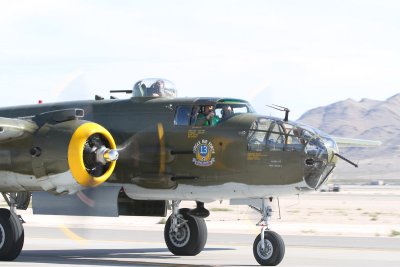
x=364 y=119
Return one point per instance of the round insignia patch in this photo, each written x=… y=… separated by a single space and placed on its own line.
x=204 y=151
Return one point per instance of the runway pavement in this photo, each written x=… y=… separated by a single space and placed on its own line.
x=325 y=229
x=62 y=246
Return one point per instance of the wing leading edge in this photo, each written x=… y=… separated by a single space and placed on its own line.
x=350 y=142
x=11 y=129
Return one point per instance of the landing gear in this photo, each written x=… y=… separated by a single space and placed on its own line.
x=185 y=235
x=268 y=247
x=199 y=211
x=273 y=251
x=11 y=231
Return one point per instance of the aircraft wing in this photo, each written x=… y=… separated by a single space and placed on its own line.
x=350 y=142
x=11 y=129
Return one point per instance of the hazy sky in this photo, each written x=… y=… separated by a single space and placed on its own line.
x=299 y=54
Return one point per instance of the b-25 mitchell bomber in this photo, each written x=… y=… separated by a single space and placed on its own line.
x=143 y=155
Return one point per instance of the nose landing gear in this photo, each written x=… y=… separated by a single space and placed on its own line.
x=268 y=247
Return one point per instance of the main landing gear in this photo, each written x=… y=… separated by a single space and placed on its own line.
x=11 y=230
x=185 y=234
x=268 y=247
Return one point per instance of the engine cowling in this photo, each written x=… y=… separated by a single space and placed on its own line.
x=97 y=162
x=72 y=154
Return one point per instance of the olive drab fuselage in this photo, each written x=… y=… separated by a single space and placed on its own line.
x=161 y=146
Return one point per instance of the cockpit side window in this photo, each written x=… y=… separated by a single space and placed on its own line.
x=227 y=110
x=183 y=115
x=213 y=114
x=186 y=115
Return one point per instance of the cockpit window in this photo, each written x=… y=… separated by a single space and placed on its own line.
x=227 y=110
x=186 y=115
x=210 y=114
x=182 y=115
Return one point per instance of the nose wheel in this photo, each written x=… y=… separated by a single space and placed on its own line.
x=268 y=247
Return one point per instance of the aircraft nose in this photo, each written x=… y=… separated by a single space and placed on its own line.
x=319 y=161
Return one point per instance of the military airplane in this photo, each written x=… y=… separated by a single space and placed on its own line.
x=142 y=155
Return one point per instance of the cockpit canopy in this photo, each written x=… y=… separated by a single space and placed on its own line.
x=221 y=109
x=154 y=87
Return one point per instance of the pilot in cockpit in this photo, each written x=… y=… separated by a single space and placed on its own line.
x=207 y=117
x=226 y=112
x=156 y=89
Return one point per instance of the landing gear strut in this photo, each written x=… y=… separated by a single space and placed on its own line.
x=11 y=230
x=184 y=235
x=268 y=247
x=199 y=211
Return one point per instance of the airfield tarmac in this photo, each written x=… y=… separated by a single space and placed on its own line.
x=355 y=227
x=105 y=247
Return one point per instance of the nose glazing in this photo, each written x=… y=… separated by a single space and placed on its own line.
x=319 y=160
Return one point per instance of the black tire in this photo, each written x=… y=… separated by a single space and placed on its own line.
x=190 y=238
x=275 y=249
x=11 y=236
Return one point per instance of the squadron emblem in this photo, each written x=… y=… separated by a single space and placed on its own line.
x=203 y=151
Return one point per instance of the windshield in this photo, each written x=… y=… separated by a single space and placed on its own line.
x=227 y=110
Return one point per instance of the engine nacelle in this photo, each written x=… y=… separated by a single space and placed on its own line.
x=72 y=154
